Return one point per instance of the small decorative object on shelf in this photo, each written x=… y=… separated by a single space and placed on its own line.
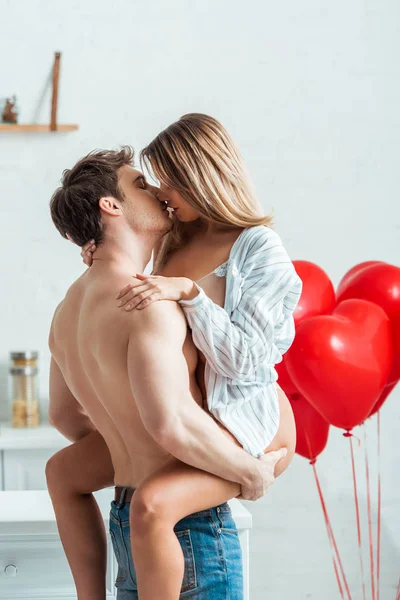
x=9 y=113
x=10 y=125
x=24 y=389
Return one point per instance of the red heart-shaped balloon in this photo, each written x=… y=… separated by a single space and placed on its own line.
x=387 y=390
x=311 y=428
x=396 y=351
x=317 y=298
x=318 y=294
x=377 y=282
x=284 y=379
x=394 y=374
x=351 y=274
x=340 y=362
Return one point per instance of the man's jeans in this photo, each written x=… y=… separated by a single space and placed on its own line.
x=211 y=547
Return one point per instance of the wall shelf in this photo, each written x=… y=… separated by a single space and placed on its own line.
x=14 y=128
x=53 y=125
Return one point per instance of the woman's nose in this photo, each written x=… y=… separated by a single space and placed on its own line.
x=161 y=195
x=155 y=191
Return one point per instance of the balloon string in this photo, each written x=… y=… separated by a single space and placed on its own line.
x=337 y=562
x=378 y=549
x=350 y=436
x=335 y=567
x=329 y=530
x=371 y=541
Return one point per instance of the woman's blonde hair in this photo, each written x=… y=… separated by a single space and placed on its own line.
x=197 y=157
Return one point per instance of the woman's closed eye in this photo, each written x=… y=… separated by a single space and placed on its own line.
x=142 y=183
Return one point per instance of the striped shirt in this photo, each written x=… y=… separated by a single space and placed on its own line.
x=243 y=341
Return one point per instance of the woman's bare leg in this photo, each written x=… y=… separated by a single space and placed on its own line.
x=72 y=474
x=171 y=493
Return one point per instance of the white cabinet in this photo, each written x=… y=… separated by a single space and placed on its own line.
x=25 y=470
x=23 y=456
x=33 y=565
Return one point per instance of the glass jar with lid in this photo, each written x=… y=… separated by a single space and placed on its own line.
x=24 y=389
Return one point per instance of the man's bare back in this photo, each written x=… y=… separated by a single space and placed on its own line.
x=89 y=341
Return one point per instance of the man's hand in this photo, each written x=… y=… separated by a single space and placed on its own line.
x=260 y=485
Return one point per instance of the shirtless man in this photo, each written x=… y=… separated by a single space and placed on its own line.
x=127 y=378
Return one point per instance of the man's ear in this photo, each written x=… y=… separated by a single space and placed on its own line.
x=110 y=205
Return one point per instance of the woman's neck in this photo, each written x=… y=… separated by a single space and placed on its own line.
x=207 y=228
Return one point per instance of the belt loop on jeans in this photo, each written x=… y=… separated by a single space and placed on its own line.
x=121 y=502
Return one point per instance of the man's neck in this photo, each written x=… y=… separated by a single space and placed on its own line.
x=127 y=249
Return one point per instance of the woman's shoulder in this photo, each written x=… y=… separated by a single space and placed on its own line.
x=262 y=256
x=256 y=242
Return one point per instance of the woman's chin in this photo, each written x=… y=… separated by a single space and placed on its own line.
x=180 y=218
x=185 y=219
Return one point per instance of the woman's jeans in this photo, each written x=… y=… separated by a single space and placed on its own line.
x=210 y=545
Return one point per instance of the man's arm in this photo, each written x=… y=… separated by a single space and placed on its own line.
x=160 y=384
x=65 y=412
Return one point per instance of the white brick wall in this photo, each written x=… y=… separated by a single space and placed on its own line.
x=310 y=91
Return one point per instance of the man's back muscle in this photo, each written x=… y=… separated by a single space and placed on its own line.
x=89 y=341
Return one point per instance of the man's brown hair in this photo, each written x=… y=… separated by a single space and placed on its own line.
x=75 y=205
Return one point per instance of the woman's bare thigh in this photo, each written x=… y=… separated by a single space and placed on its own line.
x=177 y=490
x=180 y=490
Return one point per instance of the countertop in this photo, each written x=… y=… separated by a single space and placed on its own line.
x=44 y=436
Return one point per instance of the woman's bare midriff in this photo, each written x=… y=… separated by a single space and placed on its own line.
x=286 y=434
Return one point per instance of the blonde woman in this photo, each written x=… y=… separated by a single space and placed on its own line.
x=237 y=287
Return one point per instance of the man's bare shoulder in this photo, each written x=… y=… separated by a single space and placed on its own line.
x=163 y=317
x=58 y=307
x=75 y=287
x=51 y=332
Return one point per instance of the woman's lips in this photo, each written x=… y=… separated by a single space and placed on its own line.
x=171 y=208
x=172 y=211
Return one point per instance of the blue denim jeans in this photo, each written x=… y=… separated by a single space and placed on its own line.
x=211 y=548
